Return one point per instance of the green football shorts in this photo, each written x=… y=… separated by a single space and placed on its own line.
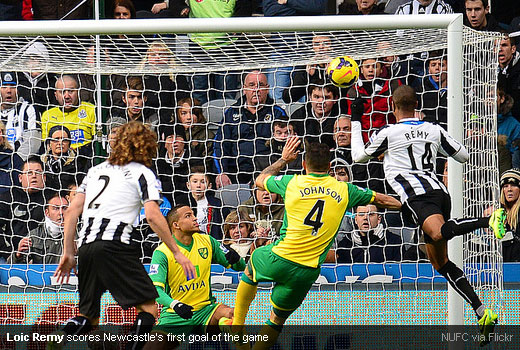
x=292 y=281
x=170 y=322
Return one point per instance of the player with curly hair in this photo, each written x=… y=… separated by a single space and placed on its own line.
x=109 y=199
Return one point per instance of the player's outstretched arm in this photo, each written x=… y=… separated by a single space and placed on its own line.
x=386 y=201
x=159 y=225
x=289 y=153
x=68 y=261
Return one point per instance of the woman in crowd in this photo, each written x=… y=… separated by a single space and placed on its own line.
x=510 y=201
x=163 y=90
x=189 y=115
x=240 y=234
x=9 y=162
x=62 y=166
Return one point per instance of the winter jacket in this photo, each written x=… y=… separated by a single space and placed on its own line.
x=242 y=135
x=44 y=248
x=379 y=246
x=306 y=124
x=274 y=215
x=294 y=8
x=508 y=125
x=379 y=111
x=64 y=170
x=433 y=102
x=173 y=177
x=509 y=80
x=216 y=213
x=20 y=212
x=10 y=162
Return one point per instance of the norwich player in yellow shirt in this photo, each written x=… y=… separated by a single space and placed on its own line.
x=315 y=204
x=188 y=305
x=79 y=118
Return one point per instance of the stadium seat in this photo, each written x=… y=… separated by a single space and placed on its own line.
x=234 y=194
x=214 y=111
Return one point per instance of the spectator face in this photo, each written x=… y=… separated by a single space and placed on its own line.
x=238 y=232
x=197 y=185
x=121 y=12
x=322 y=101
x=67 y=94
x=321 y=45
x=506 y=52
x=186 y=117
x=339 y=173
x=342 y=132
x=367 y=218
x=187 y=222
x=55 y=210
x=264 y=197
x=280 y=133
x=365 y=5
x=370 y=69
x=438 y=70
x=134 y=101
x=59 y=143
x=256 y=88
x=511 y=193
x=158 y=55
x=8 y=95
x=32 y=177
x=476 y=13
x=174 y=145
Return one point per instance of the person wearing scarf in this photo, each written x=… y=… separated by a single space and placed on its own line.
x=44 y=245
x=371 y=242
x=62 y=166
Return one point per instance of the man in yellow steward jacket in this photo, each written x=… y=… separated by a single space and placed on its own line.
x=188 y=306
x=79 y=118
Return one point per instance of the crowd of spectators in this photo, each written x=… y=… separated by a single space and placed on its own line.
x=48 y=126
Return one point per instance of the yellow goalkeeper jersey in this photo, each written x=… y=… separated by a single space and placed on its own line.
x=81 y=122
x=314 y=208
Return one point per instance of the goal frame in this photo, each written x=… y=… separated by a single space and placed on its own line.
x=452 y=22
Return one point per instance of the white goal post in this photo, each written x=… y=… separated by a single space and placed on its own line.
x=451 y=23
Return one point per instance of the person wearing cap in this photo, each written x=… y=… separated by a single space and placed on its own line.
x=35 y=85
x=19 y=117
x=340 y=169
x=510 y=201
x=62 y=166
x=79 y=117
x=173 y=164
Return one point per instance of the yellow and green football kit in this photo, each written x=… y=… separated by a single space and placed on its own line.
x=314 y=208
x=171 y=283
x=81 y=122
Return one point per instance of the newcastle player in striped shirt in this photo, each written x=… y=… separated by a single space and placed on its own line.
x=109 y=199
x=410 y=148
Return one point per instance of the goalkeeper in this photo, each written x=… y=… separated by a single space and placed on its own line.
x=188 y=305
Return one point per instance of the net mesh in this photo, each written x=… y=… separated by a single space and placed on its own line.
x=170 y=69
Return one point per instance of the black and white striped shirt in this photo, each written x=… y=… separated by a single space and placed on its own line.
x=410 y=148
x=114 y=196
x=414 y=7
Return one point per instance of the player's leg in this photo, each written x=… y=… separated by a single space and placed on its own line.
x=222 y=311
x=246 y=292
x=143 y=324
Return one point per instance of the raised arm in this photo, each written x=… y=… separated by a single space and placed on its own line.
x=68 y=261
x=289 y=153
x=359 y=155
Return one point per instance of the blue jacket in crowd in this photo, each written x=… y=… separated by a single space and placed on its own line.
x=509 y=126
x=243 y=135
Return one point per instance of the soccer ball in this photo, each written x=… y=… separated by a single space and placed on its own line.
x=343 y=71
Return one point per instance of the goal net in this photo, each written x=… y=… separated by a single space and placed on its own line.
x=156 y=79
